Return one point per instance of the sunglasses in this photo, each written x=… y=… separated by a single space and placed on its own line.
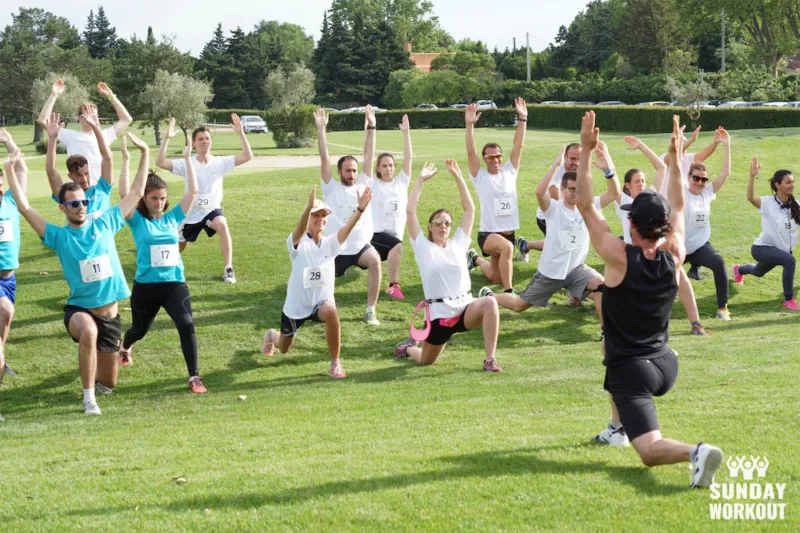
x=442 y=222
x=74 y=204
x=493 y=157
x=699 y=179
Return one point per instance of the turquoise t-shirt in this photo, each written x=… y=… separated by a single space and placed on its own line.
x=89 y=259
x=9 y=233
x=157 y=257
x=99 y=199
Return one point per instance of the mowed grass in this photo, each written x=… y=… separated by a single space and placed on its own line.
x=394 y=446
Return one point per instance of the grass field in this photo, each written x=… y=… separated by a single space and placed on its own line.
x=394 y=446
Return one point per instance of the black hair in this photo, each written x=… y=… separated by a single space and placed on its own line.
x=653 y=232
x=628 y=178
x=65 y=188
x=568 y=176
x=777 y=178
x=490 y=145
x=154 y=182
x=343 y=159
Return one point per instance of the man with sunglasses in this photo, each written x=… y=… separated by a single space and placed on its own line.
x=86 y=250
x=497 y=193
x=78 y=170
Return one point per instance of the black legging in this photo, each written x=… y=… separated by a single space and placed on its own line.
x=147 y=299
x=708 y=257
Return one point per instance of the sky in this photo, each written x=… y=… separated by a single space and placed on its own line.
x=192 y=24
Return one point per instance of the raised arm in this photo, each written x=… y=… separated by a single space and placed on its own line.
x=471 y=116
x=52 y=124
x=658 y=164
x=369 y=141
x=161 y=158
x=363 y=201
x=125 y=171
x=128 y=204
x=519 y=136
x=405 y=127
x=247 y=152
x=302 y=224
x=725 y=140
x=604 y=163
x=89 y=117
x=321 y=120
x=20 y=166
x=675 y=239
x=55 y=91
x=542 y=194
x=122 y=114
x=191 y=178
x=427 y=172
x=751 y=184
x=691 y=140
x=34 y=219
x=706 y=152
x=468 y=219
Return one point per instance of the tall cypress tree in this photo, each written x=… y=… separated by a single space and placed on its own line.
x=105 y=35
x=90 y=34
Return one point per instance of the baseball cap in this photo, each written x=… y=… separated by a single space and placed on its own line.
x=319 y=205
x=649 y=209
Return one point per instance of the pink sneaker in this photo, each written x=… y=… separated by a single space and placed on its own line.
x=401 y=350
x=125 y=357
x=490 y=365
x=269 y=347
x=396 y=292
x=737 y=278
x=196 y=385
x=336 y=371
x=791 y=305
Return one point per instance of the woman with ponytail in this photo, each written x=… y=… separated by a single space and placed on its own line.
x=780 y=216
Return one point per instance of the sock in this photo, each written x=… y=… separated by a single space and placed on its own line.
x=88 y=395
x=370 y=308
x=392 y=284
x=614 y=425
x=509 y=290
x=228 y=266
x=523 y=246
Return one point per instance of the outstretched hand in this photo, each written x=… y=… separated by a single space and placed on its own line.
x=404 y=124
x=429 y=170
x=471 y=114
x=695 y=133
x=5 y=137
x=521 y=107
x=676 y=141
x=320 y=118
x=103 y=89
x=312 y=197
x=590 y=135
x=364 y=198
x=724 y=136
x=57 y=87
x=52 y=125
x=187 y=148
x=171 y=128
x=452 y=168
x=369 y=117
x=89 y=116
x=754 y=167
x=237 y=123
x=633 y=142
x=603 y=160
x=137 y=142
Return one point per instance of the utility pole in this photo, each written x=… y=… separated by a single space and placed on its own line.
x=514 y=44
x=723 y=40
x=528 y=53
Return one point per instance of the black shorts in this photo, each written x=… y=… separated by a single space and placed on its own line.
x=343 y=262
x=483 y=235
x=441 y=334
x=289 y=326
x=633 y=384
x=190 y=232
x=109 y=330
x=384 y=243
x=542 y=223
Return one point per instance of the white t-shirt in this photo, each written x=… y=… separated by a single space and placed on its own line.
x=498 y=198
x=623 y=215
x=343 y=201
x=557 y=175
x=389 y=200
x=686 y=162
x=312 y=279
x=85 y=144
x=778 y=229
x=209 y=181
x=697 y=215
x=567 y=242
x=444 y=273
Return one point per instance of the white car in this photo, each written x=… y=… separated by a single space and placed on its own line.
x=776 y=104
x=254 y=124
x=733 y=103
x=486 y=104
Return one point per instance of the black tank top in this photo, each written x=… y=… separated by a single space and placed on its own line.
x=636 y=312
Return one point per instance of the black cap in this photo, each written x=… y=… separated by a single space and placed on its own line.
x=649 y=209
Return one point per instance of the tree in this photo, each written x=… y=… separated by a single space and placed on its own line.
x=589 y=40
x=290 y=90
x=398 y=81
x=217 y=65
x=105 y=36
x=175 y=95
x=661 y=24
x=690 y=95
x=89 y=33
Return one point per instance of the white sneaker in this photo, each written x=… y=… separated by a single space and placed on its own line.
x=518 y=255
x=228 y=276
x=371 y=318
x=706 y=460
x=613 y=437
x=91 y=408
x=99 y=388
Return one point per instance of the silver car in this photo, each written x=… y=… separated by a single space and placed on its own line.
x=254 y=124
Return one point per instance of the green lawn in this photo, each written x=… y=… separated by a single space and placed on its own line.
x=394 y=446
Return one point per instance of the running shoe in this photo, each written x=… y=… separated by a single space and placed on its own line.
x=724 y=314
x=336 y=371
x=371 y=318
x=125 y=356
x=8 y=371
x=91 y=408
x=269 y=347
x=395 y=292
x=490 y=365
x=519 y=254
x=401 y=350
x=574 y=301
x=737 y=278
x=706 y=460
x=99 y=388
x=694 y=273
x=698 y=329
x=472 y=258
x=228 y=276
x=485 y=291
x=613 y=436
x=791 y=305
x=196 y=385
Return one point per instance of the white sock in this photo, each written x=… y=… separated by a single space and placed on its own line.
x=228 y=266
x=614 y=425
x=370 y=308
x=88 y=395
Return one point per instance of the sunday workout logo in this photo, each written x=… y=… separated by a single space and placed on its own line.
x=749 y=499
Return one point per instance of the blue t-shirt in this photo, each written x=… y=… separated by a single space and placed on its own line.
x=89 y=259
x=157 y=257
x=99 y=199
x=9 y=233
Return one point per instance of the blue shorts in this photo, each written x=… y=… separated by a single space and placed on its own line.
x=8 y=288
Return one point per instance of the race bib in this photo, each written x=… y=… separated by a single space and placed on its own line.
x=504 y=207
x=572 y=238
x=784 y=225
x=95 y=269
x=699 y=218
x=6 y=230
x=94 y=214
x=392 y=208
x=204 y=201
x=164 y=255
x=314 y=278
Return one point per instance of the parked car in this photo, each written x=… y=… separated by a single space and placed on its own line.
x=776 y=104
x=733 y=103
x=361 y=109
x=486 y=104
x=792 y=104
x=254 y=124
x=459 y=106
x=755 y=104
x=427 y=106
x=715 y=103
x=330 y=110
x=654 y=103
x=551 y=102
x=577 y=103
x=611 y=102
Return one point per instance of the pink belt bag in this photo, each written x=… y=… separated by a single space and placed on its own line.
x=420 y=335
